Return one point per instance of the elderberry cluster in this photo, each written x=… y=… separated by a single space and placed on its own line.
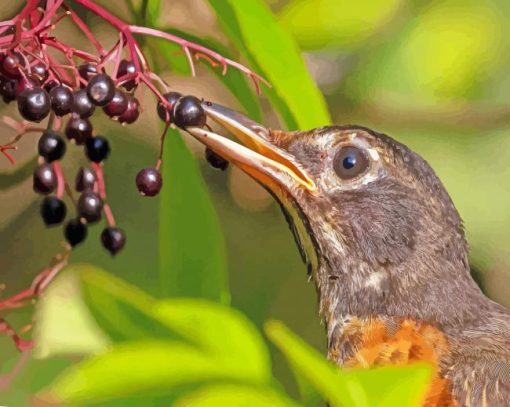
x=26 y=81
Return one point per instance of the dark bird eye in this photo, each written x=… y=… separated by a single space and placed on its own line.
x=350 y=162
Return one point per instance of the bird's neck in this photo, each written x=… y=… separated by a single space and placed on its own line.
x=390 y=294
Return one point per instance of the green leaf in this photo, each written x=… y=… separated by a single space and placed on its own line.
x=64 y=324
x=219 y=331
x=141 y=367
x=235 y=395
x=123 y=311
x=19 y=174
x=337 y=23
x=274 y=54
x=234 y=80
x=151 y=10
x=389 y=386
x=192 y=249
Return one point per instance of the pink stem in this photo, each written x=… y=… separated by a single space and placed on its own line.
x=61 y=182
x=82 y=26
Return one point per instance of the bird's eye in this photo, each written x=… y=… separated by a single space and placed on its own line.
x=350 y=162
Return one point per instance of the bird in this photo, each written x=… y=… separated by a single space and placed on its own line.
x=386 y=249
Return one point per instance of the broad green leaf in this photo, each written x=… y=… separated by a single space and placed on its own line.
x=18 y=174
x=151 y=10
x=192 y=250
x=234 y=80
x=219 y=331
x=388 y=386
x=337 y=23
x=64 y=324
x=273 y=53
x=141 y=367
x=123 y=311
x=235 y=395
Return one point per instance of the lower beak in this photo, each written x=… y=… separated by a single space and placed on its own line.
x=260 y=157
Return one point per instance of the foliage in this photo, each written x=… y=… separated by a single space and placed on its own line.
x=395 y=56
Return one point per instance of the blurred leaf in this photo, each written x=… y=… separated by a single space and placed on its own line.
x=192 y=250
x=64 y=324
x=19 y=174
x=151 y=10
x=142 y=367
x=123 y=311
x=234 y=80
x=275 y=55
x=447 y=54
x=235 y=395
x=219 y=331
x=388 y=386
x=337 y=23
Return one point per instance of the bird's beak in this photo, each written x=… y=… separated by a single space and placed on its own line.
x=260 y=156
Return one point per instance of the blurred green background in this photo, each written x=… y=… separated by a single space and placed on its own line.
x=432 y=74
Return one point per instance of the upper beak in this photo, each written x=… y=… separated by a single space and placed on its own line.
x=260 y=156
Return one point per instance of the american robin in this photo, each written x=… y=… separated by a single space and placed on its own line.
x=386 y=249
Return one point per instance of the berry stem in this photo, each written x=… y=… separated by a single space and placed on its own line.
x=57 y=167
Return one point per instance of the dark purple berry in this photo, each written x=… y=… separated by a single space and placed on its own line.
x=62 y=99
x=97 y=148
x=8 y=90
x=125 y=68
x=82 y=105
x=51 y=146
x=87 y=71
x=40 y=72
x=53 y=210
x=85 y=179
x=215 y=160
x=101 y=89
x=90 y=206
x=75 y=232
x=113 y=239
x=79 y=130
x=164 y=112
x=117 y=105
x=34 y=104
x=48 y=86
x=149 y=181
x=12 y=64
x=132 y=111
x=188 y=112
x=45 y=179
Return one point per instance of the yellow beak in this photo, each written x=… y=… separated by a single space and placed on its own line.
x=260 y=156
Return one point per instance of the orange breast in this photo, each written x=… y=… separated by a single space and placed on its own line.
x=378 y=343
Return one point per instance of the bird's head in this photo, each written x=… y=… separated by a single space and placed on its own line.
x=370 y=215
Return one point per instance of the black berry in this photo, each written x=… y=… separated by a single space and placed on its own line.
x=53 y=210
x=34 y=104
x=82 y=105
x=24 y=84
x=126 y=68
x=79 y=130
x=113 y=239
x=149 y=181
x=61 y=98
x=87 y=71
x=117 y=105
x=132 y=111
x=40 y=72
x=51 y=146
x=90 y=206
x=12 y=64
x=45 y=179
x=188 y=112
x=85 y=179
x=97 y=148
x=101 y=89
x=8 y=90
x=48 y=86
x=215 y=160
x=75 y=232
x=164 y=113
